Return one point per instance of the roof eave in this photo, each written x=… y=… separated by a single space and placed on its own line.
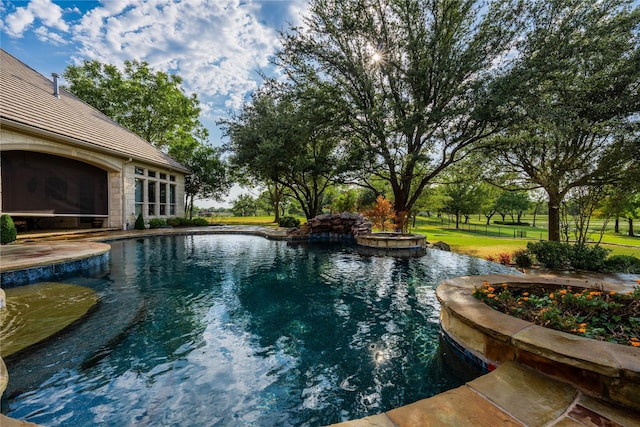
x=46 y=134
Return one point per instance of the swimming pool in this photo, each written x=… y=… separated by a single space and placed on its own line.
x=240 y=330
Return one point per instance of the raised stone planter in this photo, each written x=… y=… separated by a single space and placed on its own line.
x=604 y=370
x=392 y=241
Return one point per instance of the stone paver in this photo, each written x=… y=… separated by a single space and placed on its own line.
x=533 y=399
x=569 y=349
x=457 y=407
x=11 y=422
x=38 y=254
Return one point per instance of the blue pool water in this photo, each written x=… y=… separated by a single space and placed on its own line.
x=243 y=331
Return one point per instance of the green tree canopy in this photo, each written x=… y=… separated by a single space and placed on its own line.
x=512 y=202
x=209 y=177
x=150 y=104
x=244 y=205
x=579 y=98
x=283 y=136
x=416 y=80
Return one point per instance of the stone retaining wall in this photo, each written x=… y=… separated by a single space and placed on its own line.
x=332 y=227
x=600 y=369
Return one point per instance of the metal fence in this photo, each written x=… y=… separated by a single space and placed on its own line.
x=487 y=230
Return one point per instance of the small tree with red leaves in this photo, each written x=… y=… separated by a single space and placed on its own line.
x=382 y=214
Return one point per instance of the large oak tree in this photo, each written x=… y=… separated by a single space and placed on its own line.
x=418 y=80
x=579 y=100
x=284 y=138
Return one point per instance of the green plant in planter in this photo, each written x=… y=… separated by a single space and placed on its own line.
x=8 y=229
x=139 y=225
x=591 y=313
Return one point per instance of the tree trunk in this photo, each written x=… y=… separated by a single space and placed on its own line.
x=554 y=218
x=631 y=234
x=616 y=227
x=457 y=220
x=401 y=211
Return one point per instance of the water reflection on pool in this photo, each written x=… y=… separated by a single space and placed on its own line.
x=240 y=330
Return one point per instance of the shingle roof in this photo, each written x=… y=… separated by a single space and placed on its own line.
x=26 y=97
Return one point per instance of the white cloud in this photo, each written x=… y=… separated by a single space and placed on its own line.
x=215 y=46
x=49 y=36
x=50 y=14
x=17 y=22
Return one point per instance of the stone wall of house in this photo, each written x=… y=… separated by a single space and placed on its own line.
x=161 y=176
x=332 y=227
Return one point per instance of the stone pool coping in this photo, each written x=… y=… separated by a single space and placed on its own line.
x=603 y=370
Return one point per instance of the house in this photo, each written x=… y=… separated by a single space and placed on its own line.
x=64 y=164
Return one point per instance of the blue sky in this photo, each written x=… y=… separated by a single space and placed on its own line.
x=216 y=46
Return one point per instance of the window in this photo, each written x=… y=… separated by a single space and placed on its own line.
x=152 y=198
x=139 y=196
x=172 y=200
x=163 y=197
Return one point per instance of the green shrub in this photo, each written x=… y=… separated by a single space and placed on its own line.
x=139 y=225
x=174 y=222
x=522 y=258
x=623 y=264
x=157 y=222
x=289 y=222
x=200 y=222
x=585 y=257
x=7 y=229
x=551 y=254
x=180 y=222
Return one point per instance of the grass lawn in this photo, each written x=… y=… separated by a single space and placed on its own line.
x=481 y=240
x=476 y=239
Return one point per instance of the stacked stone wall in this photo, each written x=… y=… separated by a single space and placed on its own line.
x=332 y=228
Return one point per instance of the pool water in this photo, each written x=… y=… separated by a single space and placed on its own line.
x=231 y=330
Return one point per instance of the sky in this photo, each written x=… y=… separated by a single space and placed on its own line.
x=218 y=47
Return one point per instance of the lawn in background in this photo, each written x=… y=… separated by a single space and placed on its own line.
x=482 y=240
x=477 y=238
